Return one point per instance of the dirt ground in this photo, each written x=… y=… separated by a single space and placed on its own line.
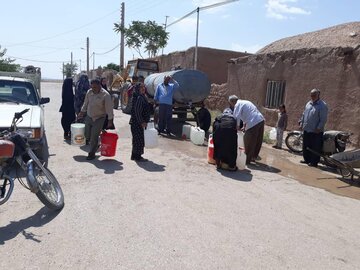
x=178 y=212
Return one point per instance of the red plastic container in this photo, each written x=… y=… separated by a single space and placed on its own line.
x=108 y=144
x=211 y=159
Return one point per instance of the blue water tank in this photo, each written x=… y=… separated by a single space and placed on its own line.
x=194 y=85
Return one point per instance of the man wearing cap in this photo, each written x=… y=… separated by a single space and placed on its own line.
x=312 y=122
x=254 y=123
x=97 y=105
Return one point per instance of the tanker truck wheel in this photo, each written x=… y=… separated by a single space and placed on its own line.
x=156 y=116
x=126 y=102
x=203 y=119
x=182 y=115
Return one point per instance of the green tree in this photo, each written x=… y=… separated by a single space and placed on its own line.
x=112 y=66
x=69 y=70
x=144 y=35
x=6 y=64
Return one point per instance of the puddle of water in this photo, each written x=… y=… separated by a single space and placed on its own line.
x=323 y=177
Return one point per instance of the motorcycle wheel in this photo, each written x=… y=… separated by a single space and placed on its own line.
x=50 y=192
x=6 y=188
x=294 y=142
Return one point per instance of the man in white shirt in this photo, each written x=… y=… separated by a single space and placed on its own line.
x=254 y=123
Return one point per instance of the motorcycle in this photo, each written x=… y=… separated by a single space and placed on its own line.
x=333 y=141
x=15 y=151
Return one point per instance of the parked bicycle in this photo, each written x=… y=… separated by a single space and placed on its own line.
x=15 y=152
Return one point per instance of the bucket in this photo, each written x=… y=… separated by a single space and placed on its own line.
x=241 y=159
x=240 y=139
x=78 y=134
x=272 y=134
x=197 y=135
x=186 y=132
x=108 y=144
x=210 y=151
x=151 y=137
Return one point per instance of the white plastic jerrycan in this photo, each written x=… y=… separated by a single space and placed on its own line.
x=240 y=139
x=197 y=135
x=186 y=129
x=272 y=134
x=241 y=159
x=151 y=136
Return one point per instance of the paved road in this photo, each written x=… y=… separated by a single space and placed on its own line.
x=174 y=212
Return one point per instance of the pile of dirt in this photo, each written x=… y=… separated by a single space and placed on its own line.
x=218 y=98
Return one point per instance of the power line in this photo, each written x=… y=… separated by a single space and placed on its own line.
x=201 y=8
x=117 y=46
x=63 y=33
x=39 y=61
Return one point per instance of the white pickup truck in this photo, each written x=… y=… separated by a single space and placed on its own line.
x=18 y=94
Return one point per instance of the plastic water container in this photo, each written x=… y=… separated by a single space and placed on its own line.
x=186 y=129
x=151 y=137
x=78 y=134
x=197 y=135
x=210 y=151
x=272 y=134
x=150 y=125
x=108 y=144
x=240 y=139
x=241 y=159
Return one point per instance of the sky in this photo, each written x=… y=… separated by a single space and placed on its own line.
x=46 y=33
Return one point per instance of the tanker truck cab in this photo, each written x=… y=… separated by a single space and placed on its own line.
x=16 y=95
x=138 y=68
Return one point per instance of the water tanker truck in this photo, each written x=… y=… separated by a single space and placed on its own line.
x=194 y=88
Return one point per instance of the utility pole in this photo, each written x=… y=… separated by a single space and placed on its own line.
x=93 y=56
x=166 y=17
x=87 y=57
x=71 y=61
x=122 y=20
x=197 y=38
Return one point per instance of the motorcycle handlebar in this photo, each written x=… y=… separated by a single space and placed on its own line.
x=20 y=114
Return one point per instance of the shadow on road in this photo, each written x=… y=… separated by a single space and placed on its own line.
x=110 y=166
x=151 y=166
x=244 y=175
x=40 y=218
x=263 y=167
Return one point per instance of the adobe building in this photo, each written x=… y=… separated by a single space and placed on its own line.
x=213 y=62
x=285 y=71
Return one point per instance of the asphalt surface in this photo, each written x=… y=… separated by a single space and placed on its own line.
x=173 y=212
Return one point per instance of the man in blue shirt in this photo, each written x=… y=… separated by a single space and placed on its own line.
x=164 y=97
x=312 y=122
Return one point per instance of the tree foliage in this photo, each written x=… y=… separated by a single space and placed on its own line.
x=112 y=66
x=69 y=70
x=144 y=35
x=7 y=64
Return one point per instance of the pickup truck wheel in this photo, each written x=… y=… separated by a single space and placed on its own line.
x=126 y=102
x=42 y=152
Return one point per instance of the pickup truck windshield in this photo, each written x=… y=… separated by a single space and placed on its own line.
x=18 y=92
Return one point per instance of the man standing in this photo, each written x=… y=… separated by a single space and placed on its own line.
x=312 y=122
x=254 y=123
x=164 y=97
x=97 y=105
